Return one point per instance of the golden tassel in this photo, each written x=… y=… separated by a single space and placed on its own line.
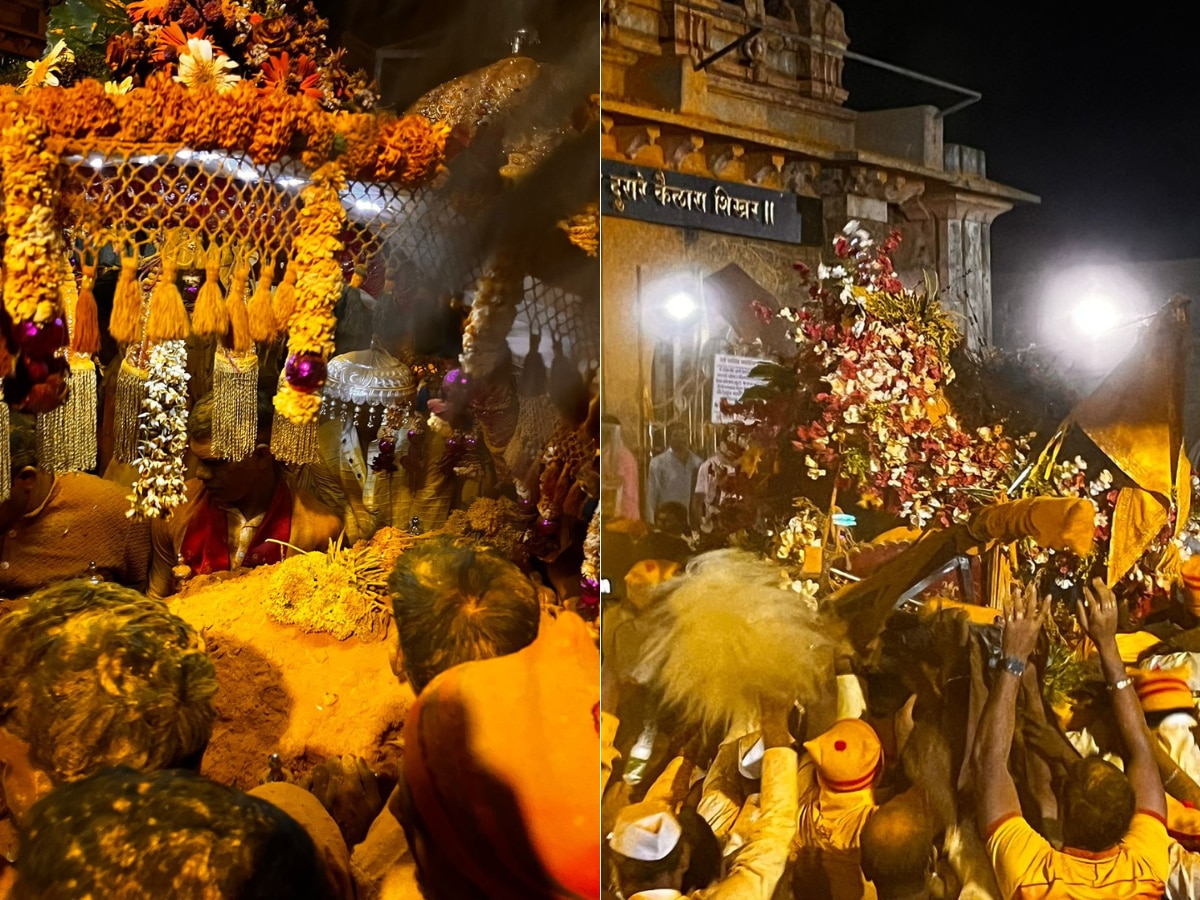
x=285 y=300
x=85 y=330
x=239 y=319
x=263 y=328
x=126 y=322
x=235 y=404
x=127 y=408
x=210 y=318
x=6 y=452
x=66 y=437
x=292 y=443
x=168 y=316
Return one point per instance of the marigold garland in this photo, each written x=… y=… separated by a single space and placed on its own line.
x=410 y=149
x=318 y=284
x=406 y=151
x=32 y=248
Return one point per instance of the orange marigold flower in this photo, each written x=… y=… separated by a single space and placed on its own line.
x=411 y=149
x=273 y=127
x=234 y=112
x=359 y=130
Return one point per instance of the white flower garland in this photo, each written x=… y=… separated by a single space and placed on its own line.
x=163 y=442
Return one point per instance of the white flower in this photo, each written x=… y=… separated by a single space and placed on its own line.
x=851 y=227
x=197 y=66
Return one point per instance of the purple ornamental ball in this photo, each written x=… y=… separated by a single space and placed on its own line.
x=386 y=446
x=452 y=444
x=305 y=372
x=42 y=341
x=470 y=441
x=547 y=526
x=412 y=434
x=455 y=378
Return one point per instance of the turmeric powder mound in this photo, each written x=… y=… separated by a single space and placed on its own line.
x=342 y=592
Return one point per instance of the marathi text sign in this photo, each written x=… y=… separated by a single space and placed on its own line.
x=668 y=198
x=731 y=379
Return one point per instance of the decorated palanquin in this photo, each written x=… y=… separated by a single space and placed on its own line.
x=240 y=181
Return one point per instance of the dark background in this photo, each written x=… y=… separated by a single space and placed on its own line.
x=456 y=36
x=1096 y=113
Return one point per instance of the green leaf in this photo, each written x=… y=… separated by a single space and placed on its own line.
x=771 y=371
x=87 y=24
x=761 y=392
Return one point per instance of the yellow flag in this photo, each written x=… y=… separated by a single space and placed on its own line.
x=1136 y=418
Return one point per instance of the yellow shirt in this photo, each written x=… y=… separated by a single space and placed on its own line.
x=1028 y=868
x=832 y=824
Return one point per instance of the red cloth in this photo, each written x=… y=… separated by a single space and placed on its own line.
x=205 y=545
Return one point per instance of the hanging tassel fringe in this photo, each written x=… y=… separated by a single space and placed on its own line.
x=210 y=318
x=5 y=453
x=66 y=437
x=235 y=405
x=285 y=300
x=263 y=327
x=291 y=443
x=239 y=319
x=85 y=330
x=127 y=407
x=168 y=315
x=126 y=321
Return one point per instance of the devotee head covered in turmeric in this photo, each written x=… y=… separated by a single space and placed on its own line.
x=455 y=602
x=491 y=796
x=237 y=513
x=897 y=851
x=56 y=527
x=174 y=834
x=97 y=675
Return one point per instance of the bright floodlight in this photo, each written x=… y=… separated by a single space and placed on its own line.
x=1095 y=315
x=680 y=306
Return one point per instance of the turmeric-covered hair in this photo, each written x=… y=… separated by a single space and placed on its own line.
x=97 y=675
x=121 y=833
x=457 y=603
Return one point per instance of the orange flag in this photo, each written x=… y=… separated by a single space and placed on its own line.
x=1136 y=418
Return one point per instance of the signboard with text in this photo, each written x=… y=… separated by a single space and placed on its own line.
x=686 y=201
x=731 y=378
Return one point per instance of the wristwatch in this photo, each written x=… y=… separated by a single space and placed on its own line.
x=1013 y=666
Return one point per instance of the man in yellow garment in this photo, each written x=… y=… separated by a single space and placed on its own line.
x=1114 y=831
x=848 y=760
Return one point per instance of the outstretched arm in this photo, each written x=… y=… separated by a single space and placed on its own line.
x=1098 y=616
x=997 y=794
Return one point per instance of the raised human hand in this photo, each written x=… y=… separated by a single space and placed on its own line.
x=1023 y=617
x=1097 y=613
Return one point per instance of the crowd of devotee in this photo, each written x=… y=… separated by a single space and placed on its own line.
x=949 y=754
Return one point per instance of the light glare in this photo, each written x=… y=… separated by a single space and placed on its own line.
x=680 y=306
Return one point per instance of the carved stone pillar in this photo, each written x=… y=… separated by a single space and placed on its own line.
x=960 y=225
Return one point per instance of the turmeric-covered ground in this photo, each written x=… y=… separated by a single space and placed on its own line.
x=304 y=695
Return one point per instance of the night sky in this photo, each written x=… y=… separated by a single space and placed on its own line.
x=1097 y=114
